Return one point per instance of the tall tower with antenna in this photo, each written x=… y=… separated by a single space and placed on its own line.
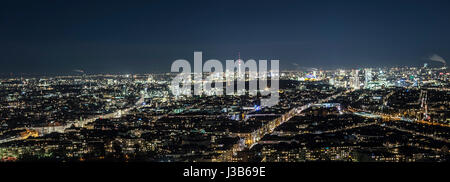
x=239 y=63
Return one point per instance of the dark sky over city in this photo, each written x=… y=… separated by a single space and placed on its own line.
x=147 y=36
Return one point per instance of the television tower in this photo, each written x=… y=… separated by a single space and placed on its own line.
x=239 y=62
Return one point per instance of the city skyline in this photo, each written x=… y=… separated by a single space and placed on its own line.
x=368 y=115
x=225 y=89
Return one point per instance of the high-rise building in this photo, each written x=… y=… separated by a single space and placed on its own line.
x=367 y=76
x=354 y=82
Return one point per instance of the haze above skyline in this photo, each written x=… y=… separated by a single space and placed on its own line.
x=147 y=36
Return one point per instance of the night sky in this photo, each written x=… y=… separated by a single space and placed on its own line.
x=147 y=36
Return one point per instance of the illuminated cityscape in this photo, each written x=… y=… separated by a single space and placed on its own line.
x=251 y=90
x=396 y=114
